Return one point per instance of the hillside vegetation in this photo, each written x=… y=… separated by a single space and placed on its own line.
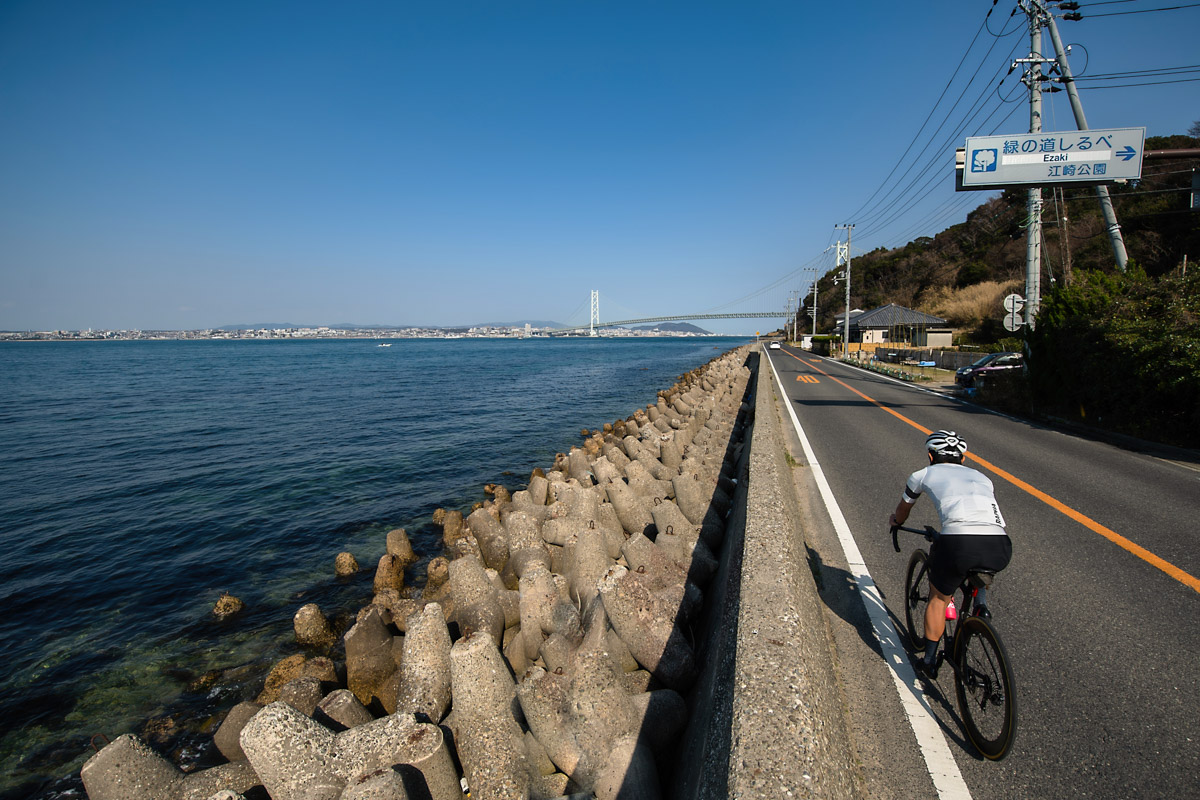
x=1116 y=349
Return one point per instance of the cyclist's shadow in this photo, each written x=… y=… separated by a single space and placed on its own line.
x=840 y=592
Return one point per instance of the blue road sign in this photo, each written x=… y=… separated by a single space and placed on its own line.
x=1046 y=158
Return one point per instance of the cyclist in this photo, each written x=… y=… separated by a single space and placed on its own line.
x=972 y=535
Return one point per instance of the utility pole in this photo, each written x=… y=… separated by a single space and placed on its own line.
x=1040 y=17
x=813 y=312
x=1068 y=80
x=846 y=321
x=1033 y=242
x=792 y=316
x=789 y=320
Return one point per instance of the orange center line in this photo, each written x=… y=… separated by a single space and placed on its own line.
x=1132 y=547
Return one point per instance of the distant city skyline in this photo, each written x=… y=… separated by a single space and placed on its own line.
x=354 y=326
x=185 y=166
x=360 y=332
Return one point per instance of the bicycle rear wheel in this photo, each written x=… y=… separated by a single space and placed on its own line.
x=916 y=595
x=985 y=688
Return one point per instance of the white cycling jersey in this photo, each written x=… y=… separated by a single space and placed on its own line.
x=964 y=498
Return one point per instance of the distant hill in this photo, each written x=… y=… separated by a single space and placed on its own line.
x=675 y=327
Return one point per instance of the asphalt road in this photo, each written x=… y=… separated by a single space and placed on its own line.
x=1105 y=644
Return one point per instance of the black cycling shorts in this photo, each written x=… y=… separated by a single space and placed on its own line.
x=952 y=557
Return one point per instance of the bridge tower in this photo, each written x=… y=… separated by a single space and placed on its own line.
x=595 y=318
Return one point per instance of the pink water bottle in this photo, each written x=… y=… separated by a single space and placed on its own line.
x=951 y=611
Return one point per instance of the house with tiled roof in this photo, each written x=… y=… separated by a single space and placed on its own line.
x=893 y=324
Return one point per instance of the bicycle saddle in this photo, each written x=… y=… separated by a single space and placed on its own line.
x=980 y=579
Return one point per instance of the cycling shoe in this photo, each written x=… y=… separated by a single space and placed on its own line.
x=928 y=669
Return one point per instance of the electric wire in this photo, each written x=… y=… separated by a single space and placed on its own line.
x=976 y=107
x=763 y=290
x=931 y=174
x=929 y=166
x=880 y=203
x=879 y=214
x=1146 y=83
x=950 y=209
x=1157 y=174
x=1139 y=11
x=1155 y=72
x=929 y=116
x=1134 y=193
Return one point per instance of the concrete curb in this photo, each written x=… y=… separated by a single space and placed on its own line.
x=789 y=729
x=768 y=717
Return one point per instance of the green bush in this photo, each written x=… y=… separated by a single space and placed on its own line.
x=1122 y=351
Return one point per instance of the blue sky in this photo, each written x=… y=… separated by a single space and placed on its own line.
x=186 y=165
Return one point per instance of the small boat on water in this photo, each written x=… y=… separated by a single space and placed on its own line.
x=384 y=344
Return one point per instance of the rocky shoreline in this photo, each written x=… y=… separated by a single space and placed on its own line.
x=549 y=654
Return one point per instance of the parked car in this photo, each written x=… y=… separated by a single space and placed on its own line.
x=987 y=365
x=774 y=345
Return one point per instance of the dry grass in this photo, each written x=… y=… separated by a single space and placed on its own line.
x=969 y=306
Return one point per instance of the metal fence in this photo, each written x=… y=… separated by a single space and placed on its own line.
x=943 y=359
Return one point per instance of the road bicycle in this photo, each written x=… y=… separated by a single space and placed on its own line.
x=983 y=677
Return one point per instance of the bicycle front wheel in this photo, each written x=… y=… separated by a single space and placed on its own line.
x=986 y=692
x=916 y=595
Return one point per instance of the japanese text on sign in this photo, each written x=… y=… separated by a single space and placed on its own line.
x=1045 y=158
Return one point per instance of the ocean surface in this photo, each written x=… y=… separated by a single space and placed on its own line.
x=140 y=480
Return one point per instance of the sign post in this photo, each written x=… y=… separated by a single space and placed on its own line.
x=1013 y=304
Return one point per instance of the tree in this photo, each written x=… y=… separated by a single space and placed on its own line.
x=1122 y=351
x=1194 y=131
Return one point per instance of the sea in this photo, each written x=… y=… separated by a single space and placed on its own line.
x=139 y=480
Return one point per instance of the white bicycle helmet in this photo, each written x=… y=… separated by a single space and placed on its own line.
x=946 y=443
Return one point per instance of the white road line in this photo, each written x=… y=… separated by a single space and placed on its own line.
x=943 y=770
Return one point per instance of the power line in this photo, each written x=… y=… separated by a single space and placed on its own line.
x=1135 y=193
x=866 y=206
x=1146 y=83
x=1157 y=174
x=883 y=206
x=876 y=208
x=976 y=107
x=948 y=210
x=879 y=213
x=929 y=116
x=1141 y=72
x=1139 y=11
x=774 y=285
x=932 y=174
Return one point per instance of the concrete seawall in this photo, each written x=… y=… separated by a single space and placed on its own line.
x=772 y=714
x=639 y=622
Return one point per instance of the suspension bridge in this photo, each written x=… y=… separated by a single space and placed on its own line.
x=594 y=323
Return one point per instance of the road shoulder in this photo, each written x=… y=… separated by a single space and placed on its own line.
x=888 y=763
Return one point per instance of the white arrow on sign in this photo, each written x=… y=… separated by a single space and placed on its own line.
x=1046 y=158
